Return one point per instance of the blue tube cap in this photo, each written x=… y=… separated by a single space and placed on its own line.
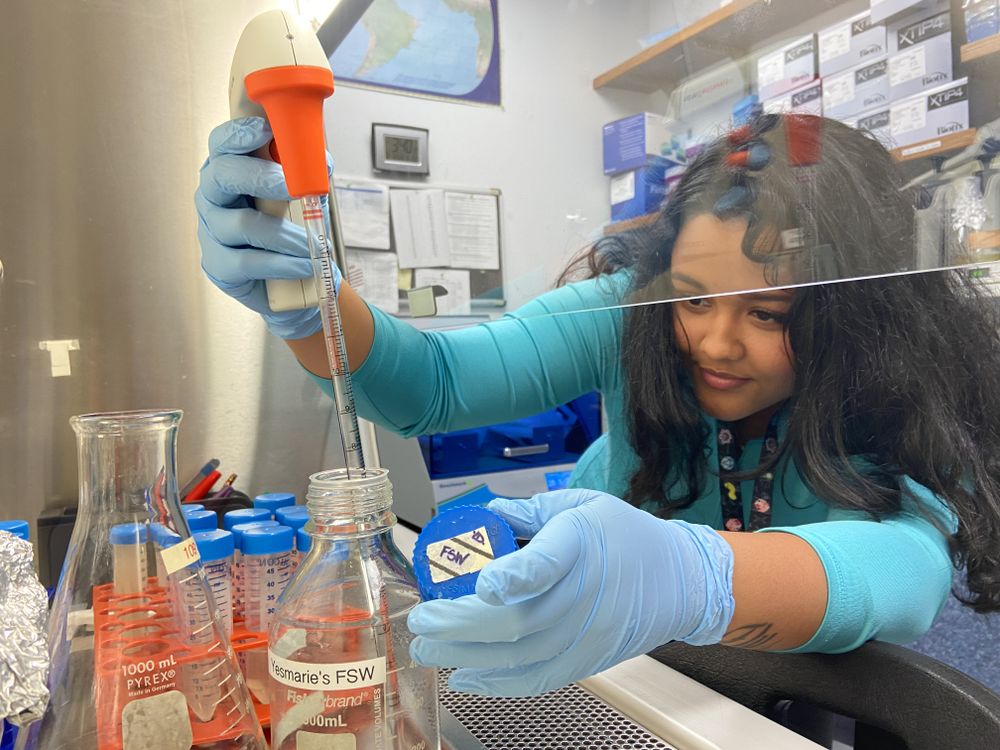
x=294 y=516
x=162 y=536
x=192 y=506
x=274 y=500
x=20 y=529
x=239 y=528
x=244 y=515
x=214 y=545
x=454 y=546
x=201 y=520
x=303 y=540
x=267 y=540
x=129 y=533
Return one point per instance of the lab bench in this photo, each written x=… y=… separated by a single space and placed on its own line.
x=639 y=704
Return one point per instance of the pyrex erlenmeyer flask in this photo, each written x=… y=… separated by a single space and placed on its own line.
x=137 y=661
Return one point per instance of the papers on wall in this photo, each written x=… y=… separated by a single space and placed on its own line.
x=434 y=228
x=375 y=277
x=419 y=228
x=364 y=215
x=457 y=301
x=473 y=230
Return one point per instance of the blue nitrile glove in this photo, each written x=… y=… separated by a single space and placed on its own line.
x=240 y=246
x=600 y=582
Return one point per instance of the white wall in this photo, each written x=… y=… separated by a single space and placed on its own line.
x=542 y=148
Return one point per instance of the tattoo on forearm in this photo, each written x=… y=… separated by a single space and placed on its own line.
x=758 y=636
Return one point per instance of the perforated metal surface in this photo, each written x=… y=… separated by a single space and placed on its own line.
x=567 y=719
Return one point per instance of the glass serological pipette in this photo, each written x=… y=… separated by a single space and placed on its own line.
x=318 y=233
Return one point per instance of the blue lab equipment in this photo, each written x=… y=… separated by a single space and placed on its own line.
x=600 y=582
x=239 y=528
x=8 y=737
x=293 y=516
x=454 y=546
x=128 y=533
x=20 y=529
x=271 y=501
x=244 y=515
x=201 y=520
x=303 y=542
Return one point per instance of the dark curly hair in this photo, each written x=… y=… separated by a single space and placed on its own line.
x=902 y=370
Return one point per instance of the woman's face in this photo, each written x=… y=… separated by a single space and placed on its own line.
x=735 y=347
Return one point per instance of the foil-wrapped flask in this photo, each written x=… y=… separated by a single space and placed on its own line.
x=138 y=660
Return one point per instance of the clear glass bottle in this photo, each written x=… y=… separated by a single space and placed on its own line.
x=338 y=649
x=119 y=656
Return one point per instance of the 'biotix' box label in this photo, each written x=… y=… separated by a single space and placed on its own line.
x=930 y=115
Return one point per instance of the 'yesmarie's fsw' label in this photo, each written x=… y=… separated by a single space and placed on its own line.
x=346 y=698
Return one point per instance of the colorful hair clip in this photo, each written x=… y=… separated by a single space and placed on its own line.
x=755 y=157
x=740 y=135
x=734 y=199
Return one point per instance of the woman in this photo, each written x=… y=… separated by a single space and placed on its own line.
x=856 y=423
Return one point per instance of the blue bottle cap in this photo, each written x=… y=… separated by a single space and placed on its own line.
x=214 y=545
x=20 y=529
x=244 y=515
x=303 y=540
x=454 y=546
x=267 y=540
x=201 y=520
x=239 y=528
x=294 y=516
x=192 y=506
x=274 y=500
x=129 y=533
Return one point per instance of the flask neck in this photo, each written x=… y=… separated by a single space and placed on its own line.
x=127 y=462
x=341 y=505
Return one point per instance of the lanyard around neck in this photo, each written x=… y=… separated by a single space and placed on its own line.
x=729 y=489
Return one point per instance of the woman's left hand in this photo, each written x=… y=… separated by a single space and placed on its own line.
x=600 y=582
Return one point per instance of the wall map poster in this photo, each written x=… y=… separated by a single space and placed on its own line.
x=439 y=48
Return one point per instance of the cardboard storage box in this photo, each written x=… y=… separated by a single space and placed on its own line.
x=629 y=142
x=639 y=191
x=787 y=68
x=920 y=52
x=806 y=100
x=930 y=114
x=849 y=43
x=982 y=19
x=877 y=122
x=856 y=89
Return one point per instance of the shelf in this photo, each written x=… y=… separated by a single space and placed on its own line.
x=983 y=48
x=628 y=224
x=935 y=146
x=725 y=34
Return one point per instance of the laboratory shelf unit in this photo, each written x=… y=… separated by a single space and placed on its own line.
x=935 y=146
x=988 y=47
x=725 y=34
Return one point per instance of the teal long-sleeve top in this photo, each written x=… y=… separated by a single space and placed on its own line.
x=886 y=580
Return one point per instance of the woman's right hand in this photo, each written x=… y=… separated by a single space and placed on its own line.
x=241 y=247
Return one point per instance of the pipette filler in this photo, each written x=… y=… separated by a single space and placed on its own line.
x=280 y=72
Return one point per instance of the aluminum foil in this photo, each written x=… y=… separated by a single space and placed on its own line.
x=24 y=652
